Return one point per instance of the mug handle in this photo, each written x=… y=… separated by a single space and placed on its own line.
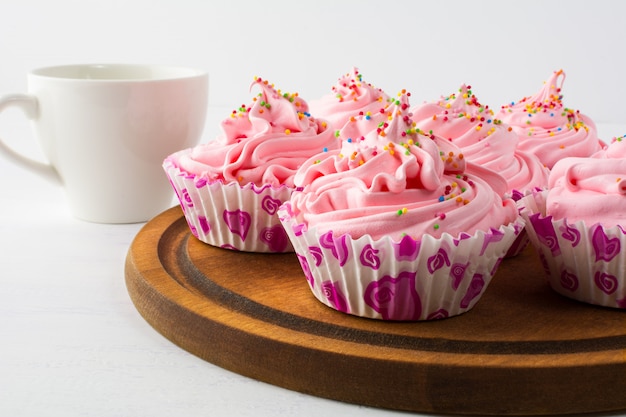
x=29 y=105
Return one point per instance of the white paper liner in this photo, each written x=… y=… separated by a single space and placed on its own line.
x=582 y=262
x=231 y=216
x=404 y=281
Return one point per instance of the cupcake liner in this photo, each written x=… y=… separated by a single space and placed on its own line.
x=582 y=262
x=409 y=280
x=231 y=216
x=522 y=240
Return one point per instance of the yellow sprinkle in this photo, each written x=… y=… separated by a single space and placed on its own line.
x=287 y=132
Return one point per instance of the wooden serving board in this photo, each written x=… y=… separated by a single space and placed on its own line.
x=522 y=350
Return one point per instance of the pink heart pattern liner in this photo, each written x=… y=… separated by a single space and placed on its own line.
x=408 y=280
x=582 y=262
x=231 y=216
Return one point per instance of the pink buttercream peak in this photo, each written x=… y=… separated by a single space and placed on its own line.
x=351 y=87
x=349 y=97
x=549 y=129
x=270 y=111
x=549 y=97
x=465 y=104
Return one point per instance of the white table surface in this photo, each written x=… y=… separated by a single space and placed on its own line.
x=72 y=342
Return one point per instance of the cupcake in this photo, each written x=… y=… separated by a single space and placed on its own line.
x=230 y=188
x=349 y=97
x=547 y=128
x=483 y=139
x=395 y=225
x=578 y=227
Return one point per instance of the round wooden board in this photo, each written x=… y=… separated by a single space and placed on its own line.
x=522 y=350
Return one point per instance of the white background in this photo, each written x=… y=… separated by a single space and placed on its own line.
x=71 y=342
x=504 y=50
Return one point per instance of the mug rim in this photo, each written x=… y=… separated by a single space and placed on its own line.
x=87 y=72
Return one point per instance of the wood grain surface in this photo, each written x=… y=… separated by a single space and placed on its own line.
x=522 y=350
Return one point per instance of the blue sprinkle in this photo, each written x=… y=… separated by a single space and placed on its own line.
x=367 y=117
x=441 y=198
x=325 y=149
x=489 y=121
x=349 y=140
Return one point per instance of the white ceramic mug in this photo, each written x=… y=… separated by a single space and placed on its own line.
x=105 y=130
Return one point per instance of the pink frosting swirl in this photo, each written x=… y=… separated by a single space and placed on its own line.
x=616 y=149
x=547 y=128
x=390 y=180
x=263 y=143
x=349 y=97
x=483 y=139
x=589 y=189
